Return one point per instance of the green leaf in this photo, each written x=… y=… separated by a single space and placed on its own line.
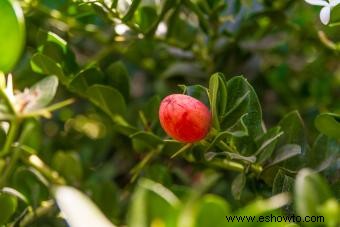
x=78 y=209
x=180 y=31
x=150 y=110
x=285 y=152
x=323 y=153
x=311 y=191
x=197 y=91
x=31 y=184
x=86 y=78
x=213 y=96
x=146 y=17
x=294 y=133
x=8 y=205
x=108 y=99
x=282 y=183
x=105 y=195
x=12 y=34
x=118 y=77
x=68 y=165
x=242 y=99
x=43 y=93
x=238 y=185
x=267 y=144
x=211 y=211
x=328 y=124
x=45 y=65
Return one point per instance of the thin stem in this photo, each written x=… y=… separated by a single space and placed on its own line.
x=10 y=167
x=13 y=130
x=38 y=164
x=41 y=211
x=235 y=166
x=184 y=148
x=137 y=169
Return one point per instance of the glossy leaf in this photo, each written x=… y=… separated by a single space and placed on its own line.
x=107 y=99
x=8 y=205
x=242 y=99
x=45 y=65
x=328 y=124
x=12 y=34
x=293 y=130
x=267 y=144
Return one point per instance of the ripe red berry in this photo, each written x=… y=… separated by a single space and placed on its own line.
x=184 y=118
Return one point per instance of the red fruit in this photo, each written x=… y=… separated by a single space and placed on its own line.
x=184 y=118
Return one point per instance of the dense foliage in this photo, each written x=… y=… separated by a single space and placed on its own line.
x=81 y=84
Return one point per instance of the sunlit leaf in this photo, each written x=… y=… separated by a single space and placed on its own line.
x=12 y=34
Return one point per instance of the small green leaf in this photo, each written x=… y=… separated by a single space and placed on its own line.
x=238 y=185
x=8 y=205
x=68 y=165
x=293 y=133
x=107 y=99
x=12 y=34
x=78 y=209
x=213 y=96
x=45 y=65
x=267 y=144
x=146 y=17
x=282 y=183
x=118 y=77
x=86 y=78
x=242 y=100
x=197 y=91
x=328 y=124
x=31 y=184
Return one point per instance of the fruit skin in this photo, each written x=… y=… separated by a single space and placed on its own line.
x=184 y=118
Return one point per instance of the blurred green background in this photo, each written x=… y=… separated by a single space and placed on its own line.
x=145 y=49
